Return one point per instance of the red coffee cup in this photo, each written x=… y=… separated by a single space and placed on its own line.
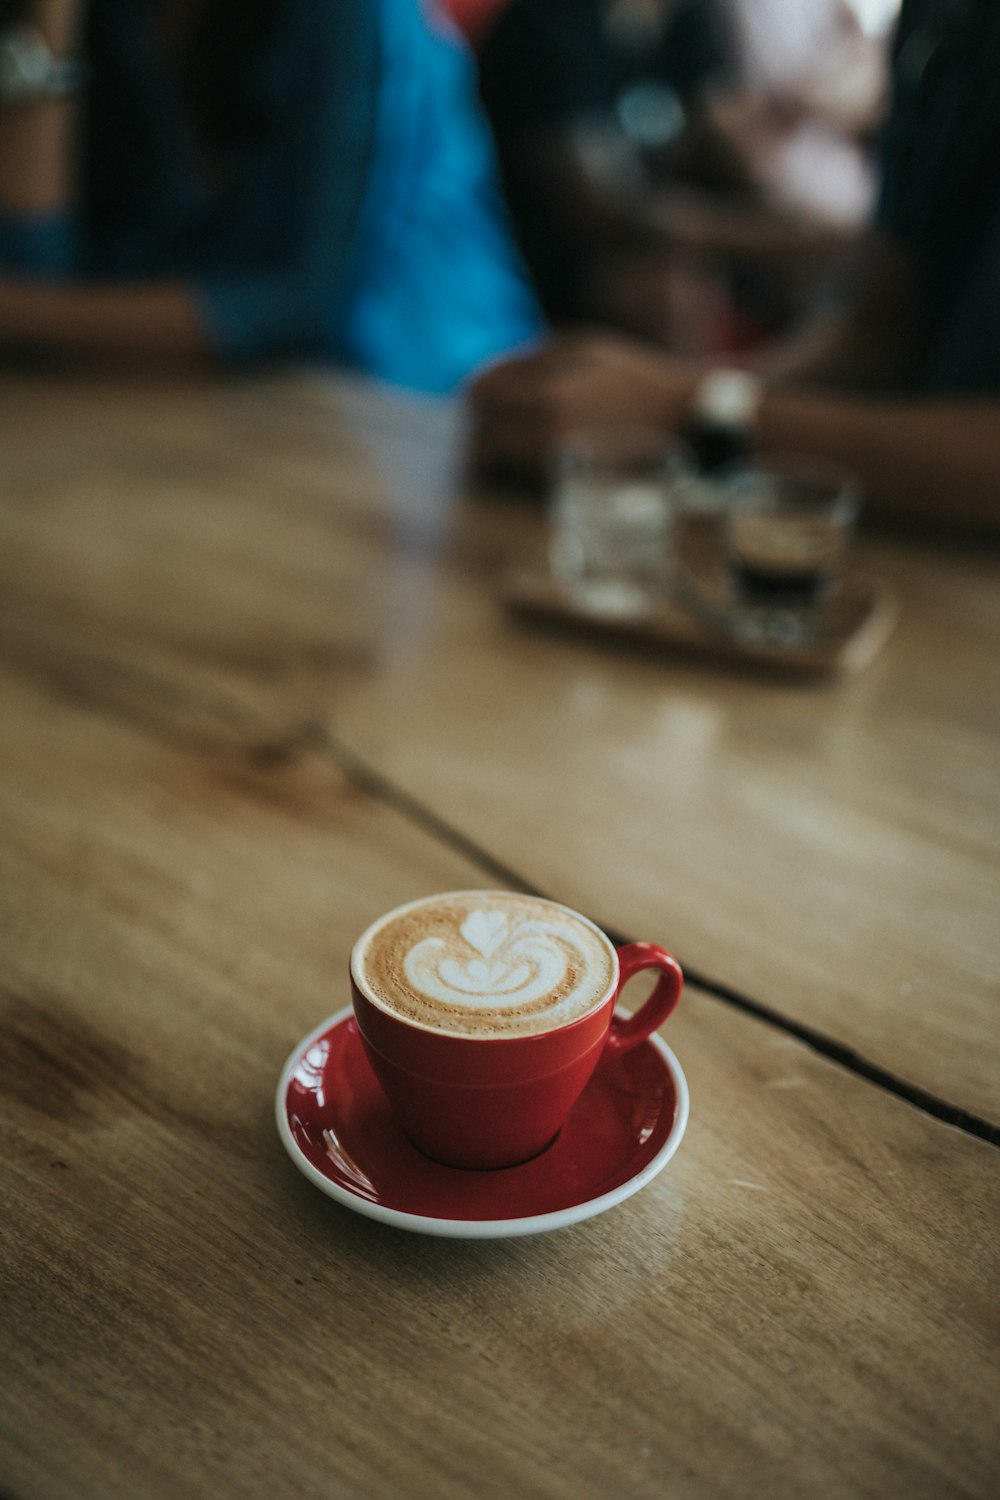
x=487 y=1102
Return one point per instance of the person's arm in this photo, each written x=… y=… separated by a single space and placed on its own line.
x=102 y=322
x=841 y=390
x=935 y=460
x=841 y=396
x=37 y=191
x=36 y=138
x=317 y=166
x=866 y=343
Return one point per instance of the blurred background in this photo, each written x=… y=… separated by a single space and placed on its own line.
x=691 y=172
x=256 y=182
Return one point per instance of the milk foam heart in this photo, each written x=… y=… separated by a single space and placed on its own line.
x=486 y=964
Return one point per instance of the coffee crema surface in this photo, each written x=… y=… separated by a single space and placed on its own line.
x=485 y=964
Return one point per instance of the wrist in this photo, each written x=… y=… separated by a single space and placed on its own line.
x=723 y=416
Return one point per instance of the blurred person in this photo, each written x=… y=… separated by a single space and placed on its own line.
x=666 y=177
x=241 y=180
x=813 y=79
x=591 y=103
x=901 y=382
x=799 y=128
x=811 y=97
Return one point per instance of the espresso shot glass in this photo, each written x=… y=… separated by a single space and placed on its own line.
x=785 y=530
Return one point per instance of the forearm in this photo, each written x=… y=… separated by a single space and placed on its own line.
x=36 y=139
x=699 y=224
x=837 y=351
x=103 y=322
x=934 y=459
x=937 y=459
x=867 y=344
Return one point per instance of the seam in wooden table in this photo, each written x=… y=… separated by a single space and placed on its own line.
x=366 y=778
x=313 y=735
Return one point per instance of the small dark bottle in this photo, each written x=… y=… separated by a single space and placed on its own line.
x=717 y=445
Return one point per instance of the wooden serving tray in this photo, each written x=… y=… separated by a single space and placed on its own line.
x=857 y=622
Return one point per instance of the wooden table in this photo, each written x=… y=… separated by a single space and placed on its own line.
x=257 y=688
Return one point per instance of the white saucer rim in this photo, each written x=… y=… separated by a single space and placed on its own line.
x=479 y=1229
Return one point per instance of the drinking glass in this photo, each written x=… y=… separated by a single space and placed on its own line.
x=612 y=512
x=786 y=524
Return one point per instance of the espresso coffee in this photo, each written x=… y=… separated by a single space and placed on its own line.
x=775 y=558
x=485 y=964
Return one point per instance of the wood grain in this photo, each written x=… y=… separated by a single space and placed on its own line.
x=831 y=853
x=802 y=1304
x=301 y=551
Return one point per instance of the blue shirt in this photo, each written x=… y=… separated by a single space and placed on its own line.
x=363 y=226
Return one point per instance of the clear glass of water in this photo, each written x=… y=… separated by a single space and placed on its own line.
x=612 y=513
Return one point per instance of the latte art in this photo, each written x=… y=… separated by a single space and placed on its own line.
x=485 y=963
x=517 y=963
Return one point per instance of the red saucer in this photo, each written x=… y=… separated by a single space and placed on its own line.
x=337 y=1126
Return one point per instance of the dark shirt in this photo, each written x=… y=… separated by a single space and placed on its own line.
x=941 y=187
x=559 y=61
x=551 y=68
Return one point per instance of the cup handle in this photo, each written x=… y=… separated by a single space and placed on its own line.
x=628 y=1032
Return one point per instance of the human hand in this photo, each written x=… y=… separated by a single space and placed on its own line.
x=525 y=408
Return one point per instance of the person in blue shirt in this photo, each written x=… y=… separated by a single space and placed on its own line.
x=251 y=180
